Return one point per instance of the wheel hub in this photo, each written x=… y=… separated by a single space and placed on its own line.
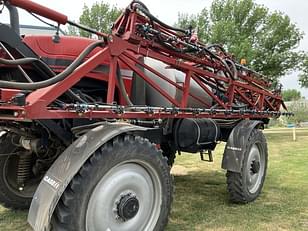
x=126 y=198
x=128 y=207
x=255 y=167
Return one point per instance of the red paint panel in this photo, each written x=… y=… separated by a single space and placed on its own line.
x=68 y=48
x=8 y=94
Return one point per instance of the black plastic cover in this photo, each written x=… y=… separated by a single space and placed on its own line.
x=236 y=145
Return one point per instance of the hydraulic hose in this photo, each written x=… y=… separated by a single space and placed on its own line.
x=217 y=46
x=142 y=4
x=145 y=10
x=25 y=61
x=53 y=80
x=22 y=61
x=122 y=87
x=235 y=72
x=88 y=29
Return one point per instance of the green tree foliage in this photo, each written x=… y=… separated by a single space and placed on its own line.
x=267 y=40
x=300 y=110
x=291 y=95
x=100 y=16
x=303 y=77
x=71 y=30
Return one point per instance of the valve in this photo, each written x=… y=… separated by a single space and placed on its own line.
x=56 y=38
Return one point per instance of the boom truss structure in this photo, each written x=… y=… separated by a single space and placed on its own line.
x=237 y=91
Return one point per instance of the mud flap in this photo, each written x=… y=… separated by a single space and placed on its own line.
x=66 y=166
x=236 y=144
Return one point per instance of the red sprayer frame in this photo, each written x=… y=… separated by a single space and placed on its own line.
x=123 y=47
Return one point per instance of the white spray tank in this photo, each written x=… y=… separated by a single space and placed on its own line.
x=154 y=98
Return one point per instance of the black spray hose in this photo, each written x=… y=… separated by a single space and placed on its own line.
x=142 y=7
x=122 y=87
x=144 y=10
x=141 y=4
x=235 y=72
x=22 y=61
x=55 y=79
x=25 y=61
x=217 y=46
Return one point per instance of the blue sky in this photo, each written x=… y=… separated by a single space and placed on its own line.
x=168 y=10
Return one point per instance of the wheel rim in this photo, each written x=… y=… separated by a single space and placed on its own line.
x=128 y=197
x=255 y=169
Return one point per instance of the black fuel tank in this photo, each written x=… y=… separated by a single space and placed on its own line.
x=193 y=135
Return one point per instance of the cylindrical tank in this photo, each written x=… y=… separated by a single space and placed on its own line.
x=154 y=98
x=193 y=135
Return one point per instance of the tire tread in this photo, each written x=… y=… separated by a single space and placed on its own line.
x=235 y=184
x=63 y=217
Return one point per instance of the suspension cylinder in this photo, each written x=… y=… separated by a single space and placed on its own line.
x=24 y=169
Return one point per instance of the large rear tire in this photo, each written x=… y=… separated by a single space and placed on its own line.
x=125 y=185
x=247 y=185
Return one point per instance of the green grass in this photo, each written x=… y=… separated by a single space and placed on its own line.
x=201 y=200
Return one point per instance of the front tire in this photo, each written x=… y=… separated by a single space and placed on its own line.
x=125 y=185
x=246 y=185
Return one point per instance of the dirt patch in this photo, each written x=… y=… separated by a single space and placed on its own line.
x=179 y=170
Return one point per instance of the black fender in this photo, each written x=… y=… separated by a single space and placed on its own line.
x=66 y=167
x=236 y=145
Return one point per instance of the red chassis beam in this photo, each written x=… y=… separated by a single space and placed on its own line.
x=20 y=114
